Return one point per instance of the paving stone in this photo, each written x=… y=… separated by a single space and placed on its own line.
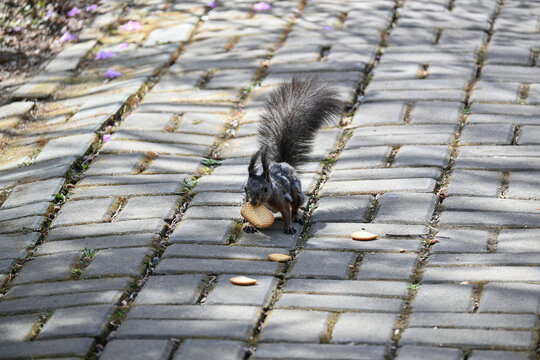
x=25 y=210
x=409 y=352
x=220 y=251
x=325 y=264
x=342 y=208
x=187 y=265
x=217 y=198
x=200 y=123
x=84 y=211
x=491 y=204
x=510 y=298
x=442 y=297
x=499 y=273
x=272 y=236
x=349 y=244
x=147 y=179
x=518 y=240
x=498 y=355
x=147 y=121
x=162 y=207
x=338 y=302
x=63 y=147
x=406 y=208
x=198 y=231
x=382 y=230
x=385 y=173
x=139 y=349
x=499 y=91
x=42 y=85
x=467 y=337
x=102 y=242
x=78 y=321
x=485 y=259
x=377 y=186
x=177 y=33
x=173 y=289
x=419 y=155
x=16 y=328
x=231 y=329
x=66 y=287
x=408 y=95
x=524 y=185
x=347 y=287
x=115 y=164
x=228 y=183
x=475 y=182
x=363 y=157
x=467 y=320
x=213 y=212
x=294 y=325
x=13 y=246
x=127 y=261
x=487 y=134
x=225 y=293
x=163 y=137
x=317 y=351
x=33 y=192
x=195 y=349
x=26 y=224
x=58 y=347
x=49 y=267
x=155 y=226
x=529 y=135
x=127 y=190
x=491 y=218
x=433 y=112
x=161 y=148
x=364 y=328
x=196 y=312
x=371 y=114
x=387 y=266
x=15 y=108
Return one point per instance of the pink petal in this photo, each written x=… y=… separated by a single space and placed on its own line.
x=107 y=137
x=328 y=28
x=123 y=46
x=211 y=4
x=67 y=37
x=112 y=74
x=261 y=6
x=50 y=14
x=105 y=55
x=74 y=12
x=91 y=8
x=131 y=26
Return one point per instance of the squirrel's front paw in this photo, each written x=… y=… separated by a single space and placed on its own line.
x=299 y=219
x=289 y=230
x=250 y=229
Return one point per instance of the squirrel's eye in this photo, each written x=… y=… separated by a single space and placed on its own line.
x=265 y=189
x=245 y=188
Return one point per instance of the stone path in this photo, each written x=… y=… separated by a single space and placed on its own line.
x=119 y=219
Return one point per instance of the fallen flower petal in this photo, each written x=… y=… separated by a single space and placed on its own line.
x=211 y=4
x=91 y=7
x=73 y=12
x=107 y=137
x=328 y=28
x=105 y=55
x=123 y=46
x=261 y=6
x=112 y=74
x=50 y=14
x=131 y=26
x=67 y=37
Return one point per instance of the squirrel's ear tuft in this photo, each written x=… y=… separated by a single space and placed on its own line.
x=264 y=162
x=251 y=167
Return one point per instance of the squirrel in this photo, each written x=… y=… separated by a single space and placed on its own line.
x=292 y=114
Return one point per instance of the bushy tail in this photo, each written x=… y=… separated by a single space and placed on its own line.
x=293 y=113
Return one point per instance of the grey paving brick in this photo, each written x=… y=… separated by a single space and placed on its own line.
x=139 y=349
x=499 y=273
x=13 y=246
x=362 y=157
x=510 y=298
x=213 y=212
x=42 y=85
x=406 y=208
x=529 y=135
x=149 y=121
x=198 y=231
x=524 y=185
x=155 y=226
x=115 y=164
x=15 y=108
x=49 y=267
x=485 y=91
x=342 y=208
x=216 y=198
x=25 y=224
x=498 y=163
x=153 y=329
x=338 y=302
x=16 y=328
x=498 y=355
x=485 y=259
x=491 y=204
x=225 y=293
x=161 y=148
x=410 y=352
x=66 y=146
x=364 y=328
x=172 y=289
x=421 y=155
x=58 y=347
x=385 y=173
x=25 y=210
x=348 y=243
x=467 y=337
x=272 y=236
x=466 y=320
x=474 y=182
x=294 y=325
x=499 y=118
x=317 y=351
x=487 y=134
x=196 y=312
x=195 y=349
x=382 y=230
x=442 y=297
x=66 y=287
x=518 y=240
x=188 y=265
x=398 y=139
x=127 y=190
x=84 y=211
x=126 y=261
x=458 y=240
x=322 y=264
x=162 y=207
x=377 y=186
x=490 y=218
x=347 y=287
x=78 y=321
x=102 y=242
x=174 y=164
x=33 y=192
x=409 y=95
x=222 y=252
x=433 y=112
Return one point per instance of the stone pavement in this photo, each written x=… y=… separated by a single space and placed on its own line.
x=119 y=219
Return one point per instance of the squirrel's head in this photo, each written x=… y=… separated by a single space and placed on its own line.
x=259 y=187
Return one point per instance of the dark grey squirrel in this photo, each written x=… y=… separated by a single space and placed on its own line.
x=292 y=114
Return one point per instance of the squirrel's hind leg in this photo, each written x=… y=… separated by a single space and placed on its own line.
x=287 y=218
